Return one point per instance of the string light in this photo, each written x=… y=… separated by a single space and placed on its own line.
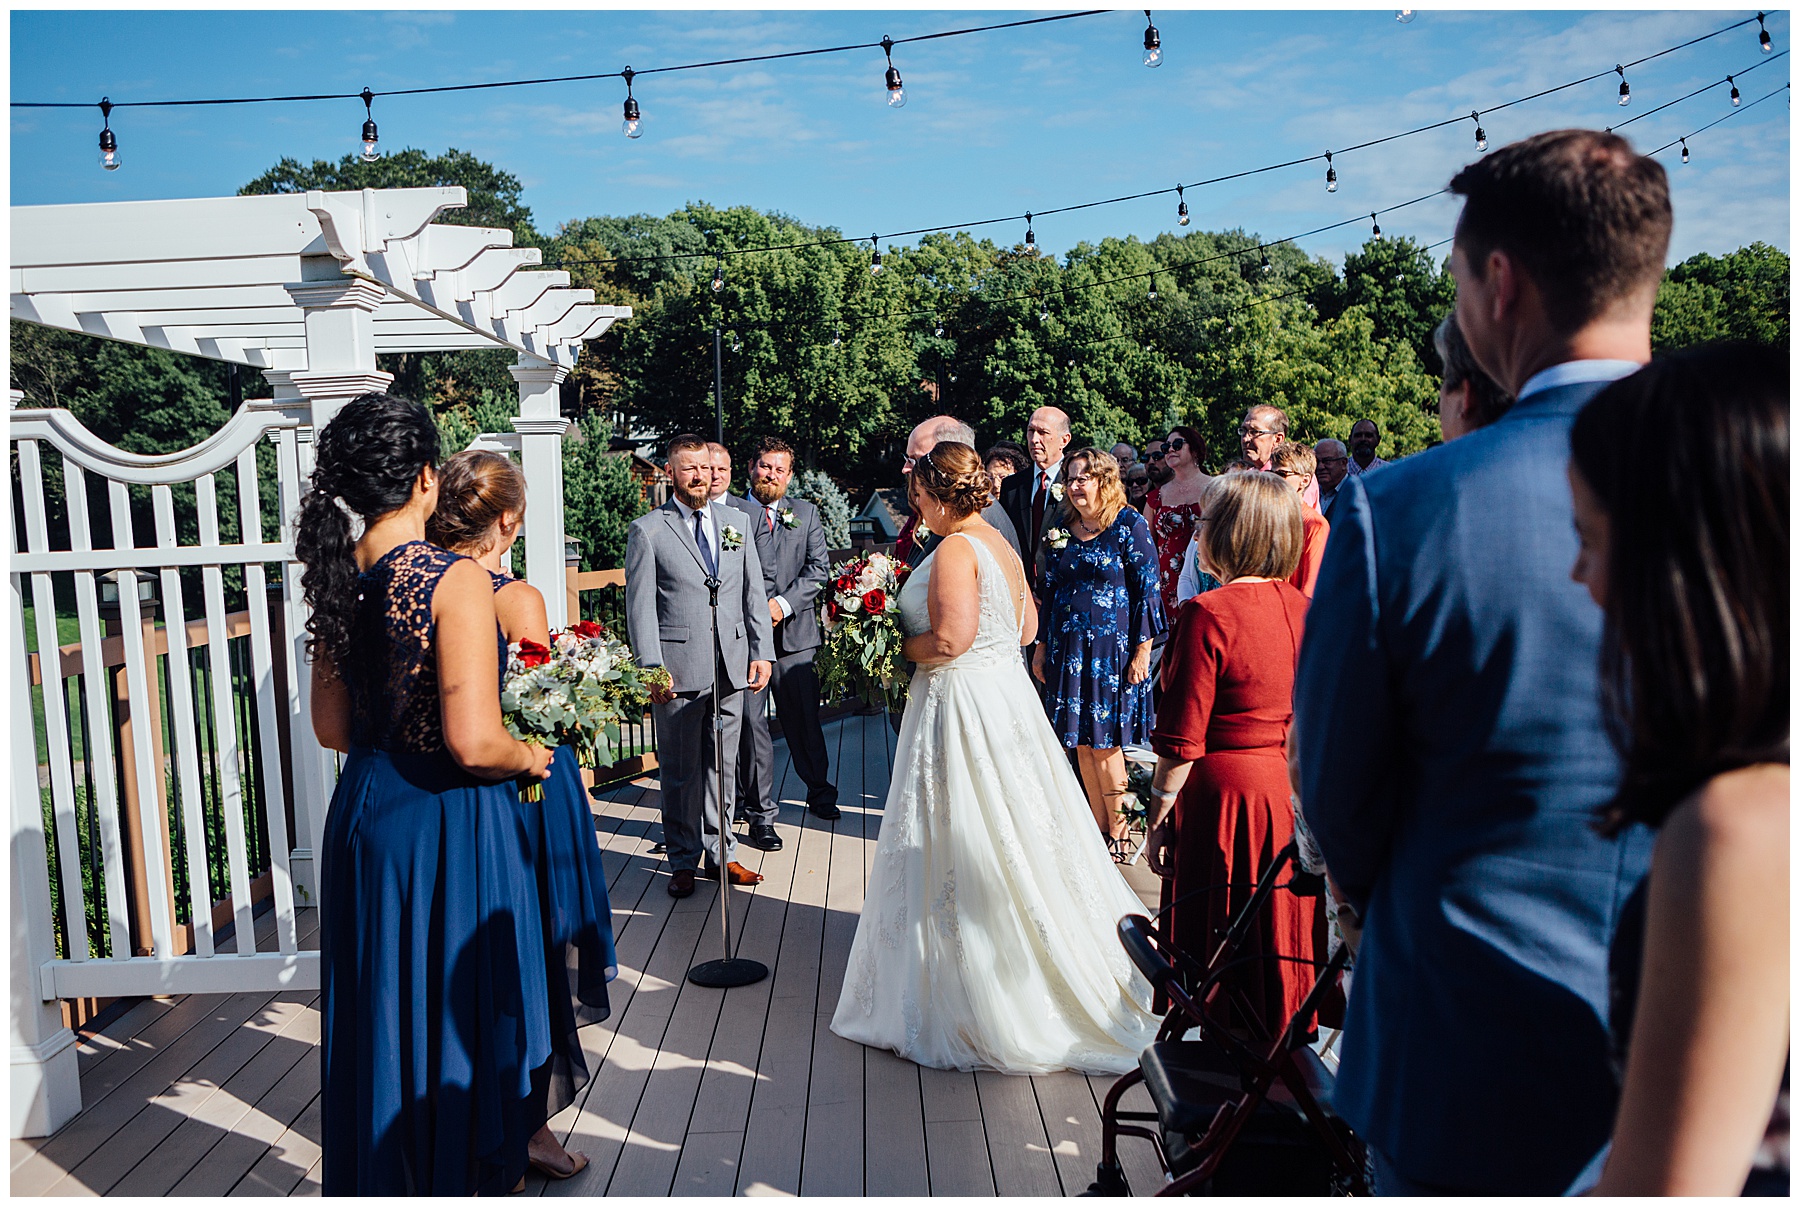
x=837 y=337
x=939 y=331
x=1405 y=16
x=1480 y=134
x=1181 y=210
x=1152 y=43
x=1377 y=222
x=719 y=276
x=371 y=140
x=1030 y=236
x=1624 y=87
x=1737 y=98
x=1684 y=151
x=1330 y=174
x=109 y=142
x=875 y=262
x=1153 y=293
x=633 y=125
x=1762 y=34
x=896 y=93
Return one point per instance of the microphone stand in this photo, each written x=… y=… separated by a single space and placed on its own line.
x=727 y=972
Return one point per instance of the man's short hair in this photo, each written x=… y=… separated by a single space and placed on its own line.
x=1297 y=457
x=1490 y=401
x=686 y=442
x=713 y=446
x=1371 y=423
x=1278 y=424
x=950 y=428
x=1586 y=217
x=773 y=444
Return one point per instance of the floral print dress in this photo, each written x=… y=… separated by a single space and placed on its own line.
x=1173 y=530
x=1102 y=599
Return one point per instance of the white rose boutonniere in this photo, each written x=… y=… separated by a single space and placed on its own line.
x=1057 y=539
x=921 y=533
x=1056 y=491
x=731 y=540
x=788 y=518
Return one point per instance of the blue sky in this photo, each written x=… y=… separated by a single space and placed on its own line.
x=995 y=123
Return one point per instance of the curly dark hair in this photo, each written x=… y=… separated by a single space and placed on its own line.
x=1689 y=459
x=366 y=461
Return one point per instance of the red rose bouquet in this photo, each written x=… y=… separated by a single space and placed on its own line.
x=861 y=655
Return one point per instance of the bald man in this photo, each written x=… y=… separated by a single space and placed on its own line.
x=927 y=436
x=1031 y=499
x=1334 y=460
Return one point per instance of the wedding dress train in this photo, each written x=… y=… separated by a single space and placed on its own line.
x=987 y=936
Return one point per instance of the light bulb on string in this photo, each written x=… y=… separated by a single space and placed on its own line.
x=837 y=338
x=1152 y=43
x=719 y=276
x=1405 y=15
x=1624 y=87
x=371 y=139
x=1762 y=34
x=1043 y=315
x=1684 y=151
x=939 y=329
x=1480 y=134
x=1152 y=293
x=633 y=125
x=1737 y=98
x=1181 y=210
x=875 y=260
x=109 y=142
x=1330 y=174
x=896 y=92
x=1030 y=235
x=1377 y=222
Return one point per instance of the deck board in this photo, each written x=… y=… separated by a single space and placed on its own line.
x=694 y=1091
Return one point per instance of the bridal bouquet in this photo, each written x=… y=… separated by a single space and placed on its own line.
x=861 y=655
x=575 y=692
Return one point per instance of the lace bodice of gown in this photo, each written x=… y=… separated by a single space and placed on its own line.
x=392 y=673
x=996 y=636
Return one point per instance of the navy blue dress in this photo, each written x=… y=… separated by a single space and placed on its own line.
x=431 y=944
x=578 y=934
x=1102 y=598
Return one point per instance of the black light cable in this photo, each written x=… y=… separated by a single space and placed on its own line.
x=1709 y=125
x=1736 y=96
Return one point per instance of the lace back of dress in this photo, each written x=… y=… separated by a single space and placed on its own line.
x=393 y=673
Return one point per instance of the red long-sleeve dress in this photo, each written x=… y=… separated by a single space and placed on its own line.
x=1228 y=686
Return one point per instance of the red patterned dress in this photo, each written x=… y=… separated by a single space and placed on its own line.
x=1171 y=528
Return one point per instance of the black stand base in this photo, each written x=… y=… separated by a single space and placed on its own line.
x=727 y=974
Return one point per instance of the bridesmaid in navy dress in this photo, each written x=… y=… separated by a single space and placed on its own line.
x=1103 y=610
x=480 y=511
x=431 y=945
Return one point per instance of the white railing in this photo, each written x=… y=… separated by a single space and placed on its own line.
x=135 y=680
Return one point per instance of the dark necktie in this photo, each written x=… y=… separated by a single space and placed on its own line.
x=706 y=554
x=1037 y=505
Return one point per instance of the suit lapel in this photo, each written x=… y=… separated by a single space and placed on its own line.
x=673 y=515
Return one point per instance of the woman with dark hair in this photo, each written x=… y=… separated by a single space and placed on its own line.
x=1680 y=479
x=1173 y=509
x=1102 y=610
x=431 y=947
x=480 y=512
x=1004 y=460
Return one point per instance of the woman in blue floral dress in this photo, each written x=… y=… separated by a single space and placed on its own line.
x=1102 y=603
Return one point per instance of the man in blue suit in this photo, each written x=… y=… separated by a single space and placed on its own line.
x=1447 y=729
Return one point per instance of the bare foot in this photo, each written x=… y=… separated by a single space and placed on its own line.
x=550 y=1158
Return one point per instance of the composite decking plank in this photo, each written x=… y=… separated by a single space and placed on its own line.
x=956 y=1158
x=252 y=1136
x=288 y=1161
x=1071 y=1120
x=1136 y=1157
x=1018 y=1146
x=894 y=1128
x=151 y=1153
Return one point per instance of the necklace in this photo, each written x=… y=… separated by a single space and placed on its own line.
x=1086 y=527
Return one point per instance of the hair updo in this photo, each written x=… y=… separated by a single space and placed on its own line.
x=476 y=489
x=954 y=475
x=366 y=461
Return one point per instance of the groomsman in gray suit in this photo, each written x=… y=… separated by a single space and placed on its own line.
x=790 y=540
x=670 y=555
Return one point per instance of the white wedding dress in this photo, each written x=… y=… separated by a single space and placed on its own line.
x=987 y=937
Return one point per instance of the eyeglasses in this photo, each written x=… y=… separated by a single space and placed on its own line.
x=1332 y=460
x=909 y=461
x=1174 y=444
x=1078 y=480
x=1287 y=473
x=1247 y=430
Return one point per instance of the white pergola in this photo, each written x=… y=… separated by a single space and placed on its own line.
x=309 y=288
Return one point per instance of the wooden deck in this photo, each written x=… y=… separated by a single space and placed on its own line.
x=695 y=1091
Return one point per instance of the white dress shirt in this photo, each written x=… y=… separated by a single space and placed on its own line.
x=772 y=521
x=707 y=524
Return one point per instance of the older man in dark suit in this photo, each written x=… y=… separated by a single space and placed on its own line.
x=1033 y=499
x=913 y=548
x=790 y=539
x=1447 y=725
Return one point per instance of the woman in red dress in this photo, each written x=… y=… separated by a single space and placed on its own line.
x=1219 y=802
x=1173 y=509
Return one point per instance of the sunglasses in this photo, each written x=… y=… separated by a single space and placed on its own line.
x=1153 y=456
x=1174 y=445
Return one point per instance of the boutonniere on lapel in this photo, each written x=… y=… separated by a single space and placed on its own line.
x=730 y=539
x=1056 y=491
x=788 y=518
x=1057 y=539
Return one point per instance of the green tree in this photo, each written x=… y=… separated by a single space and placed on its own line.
x=834 y=506
x=600 y=495
x=1742 y=295
x=1404 y=294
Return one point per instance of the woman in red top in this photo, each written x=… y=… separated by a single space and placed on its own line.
x=1219 y=801
x=1173 y=509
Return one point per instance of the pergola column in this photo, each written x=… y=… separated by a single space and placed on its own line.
x=541 y=426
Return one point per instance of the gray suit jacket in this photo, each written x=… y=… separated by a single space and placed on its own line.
x=667 y=617
x=795 y=566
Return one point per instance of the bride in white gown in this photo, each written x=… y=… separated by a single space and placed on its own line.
x=987 y=937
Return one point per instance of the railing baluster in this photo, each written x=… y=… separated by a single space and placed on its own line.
x=182 y=729
x=57 y=741
x=225 y=740
x=315 y=768
x=98 y=720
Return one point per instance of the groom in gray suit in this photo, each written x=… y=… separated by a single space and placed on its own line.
x=670 y=556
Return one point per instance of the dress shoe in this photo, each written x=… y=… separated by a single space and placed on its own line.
x=824 y=810
x=681 y=884
x=737 y=872
x=763 y=837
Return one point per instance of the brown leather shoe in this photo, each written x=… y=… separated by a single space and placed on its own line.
x=681 y=884
x=738 y=873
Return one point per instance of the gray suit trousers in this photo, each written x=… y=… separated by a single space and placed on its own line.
x=690 y=786
x=796 y=687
